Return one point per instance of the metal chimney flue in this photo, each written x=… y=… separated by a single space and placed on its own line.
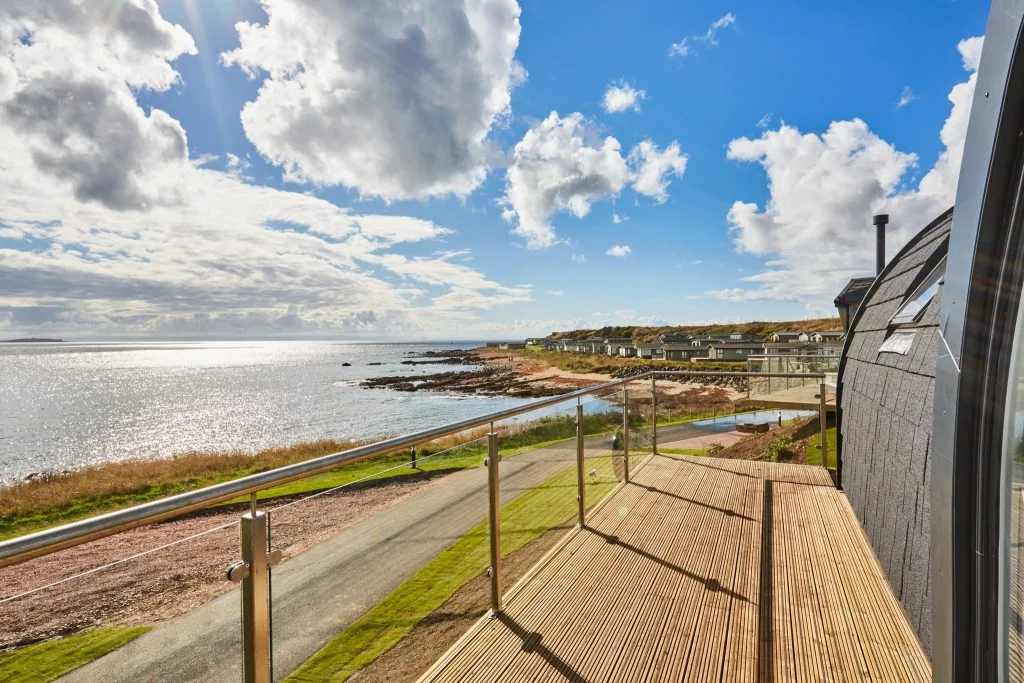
x=880 y=221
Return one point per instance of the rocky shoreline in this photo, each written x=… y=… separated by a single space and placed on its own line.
x=486 y=379
x=738 y=383
x=497 y=375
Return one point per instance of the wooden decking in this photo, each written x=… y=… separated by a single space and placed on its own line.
x=702 y=569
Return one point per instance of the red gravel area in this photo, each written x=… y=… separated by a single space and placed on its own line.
x=169 y=582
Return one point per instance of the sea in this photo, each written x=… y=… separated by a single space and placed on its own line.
x=64 y=406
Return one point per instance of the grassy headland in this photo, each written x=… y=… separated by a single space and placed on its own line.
x=646 y=334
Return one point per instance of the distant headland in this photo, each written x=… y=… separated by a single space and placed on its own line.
x=25 y=340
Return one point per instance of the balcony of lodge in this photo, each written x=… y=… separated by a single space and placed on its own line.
x=701 y=568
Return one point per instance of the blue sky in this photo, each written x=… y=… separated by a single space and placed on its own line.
x=506 y=214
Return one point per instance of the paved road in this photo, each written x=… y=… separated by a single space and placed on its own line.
x=321 y=591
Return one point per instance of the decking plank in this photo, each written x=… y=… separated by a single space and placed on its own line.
x=703 y=569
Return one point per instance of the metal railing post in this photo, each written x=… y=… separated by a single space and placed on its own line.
x=255 y=599
x=654 y=415
x=494 y=517
x=625 y=435
x=581 y=489
x=823 y=420
x=413 y=463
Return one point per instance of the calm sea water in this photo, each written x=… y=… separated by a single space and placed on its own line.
x=63 y=406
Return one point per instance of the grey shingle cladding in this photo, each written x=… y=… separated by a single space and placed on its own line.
x=885 y=403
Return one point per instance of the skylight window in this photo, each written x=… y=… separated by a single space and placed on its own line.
x=910 y=311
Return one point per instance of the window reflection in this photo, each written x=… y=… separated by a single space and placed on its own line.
x=1013 y=533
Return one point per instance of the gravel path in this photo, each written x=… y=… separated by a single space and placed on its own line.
x=170 y=582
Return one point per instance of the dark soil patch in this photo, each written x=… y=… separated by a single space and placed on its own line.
x=798 y=433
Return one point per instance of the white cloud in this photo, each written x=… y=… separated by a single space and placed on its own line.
x=556 y=167
x=620 y=250
x=563 y=165
x=238 y=167
x=765 y=121
x=394 y=98
x=133 y=237
x=823 y=191
x=709 y=38
x=696 y=262
x=970 y=52
x=555 y=292
x=622 y=96
x=616 y=218
x=652 y=168
x=578 y=258
x=68 y=77
x=738 y=294
x=906 y=97
x=680 y=49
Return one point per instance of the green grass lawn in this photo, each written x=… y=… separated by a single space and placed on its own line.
x=547 y=506
x=49 y=659
x=814 y=454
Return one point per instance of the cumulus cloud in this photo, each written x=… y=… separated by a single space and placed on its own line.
x=906 y=97
x=556 y=167
x=652 y=168
x=619 y=250
x=562 y=164
x=231 y=252
x=709 y=38
x=622 y=96
x=69 y=72
x=134 y=237
x=823 y=191
x=394 y=98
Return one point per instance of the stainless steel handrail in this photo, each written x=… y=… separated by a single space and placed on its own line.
x=26 y=547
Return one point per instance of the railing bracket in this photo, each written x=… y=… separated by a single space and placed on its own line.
x=239 y=571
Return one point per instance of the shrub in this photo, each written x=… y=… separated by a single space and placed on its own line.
x=777 y=449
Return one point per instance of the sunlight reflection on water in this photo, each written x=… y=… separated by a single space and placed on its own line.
x=64 y=406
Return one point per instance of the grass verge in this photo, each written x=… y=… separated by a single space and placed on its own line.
x=547 y=506
x=814 y=453
x=683 y=451
x=49 y=659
